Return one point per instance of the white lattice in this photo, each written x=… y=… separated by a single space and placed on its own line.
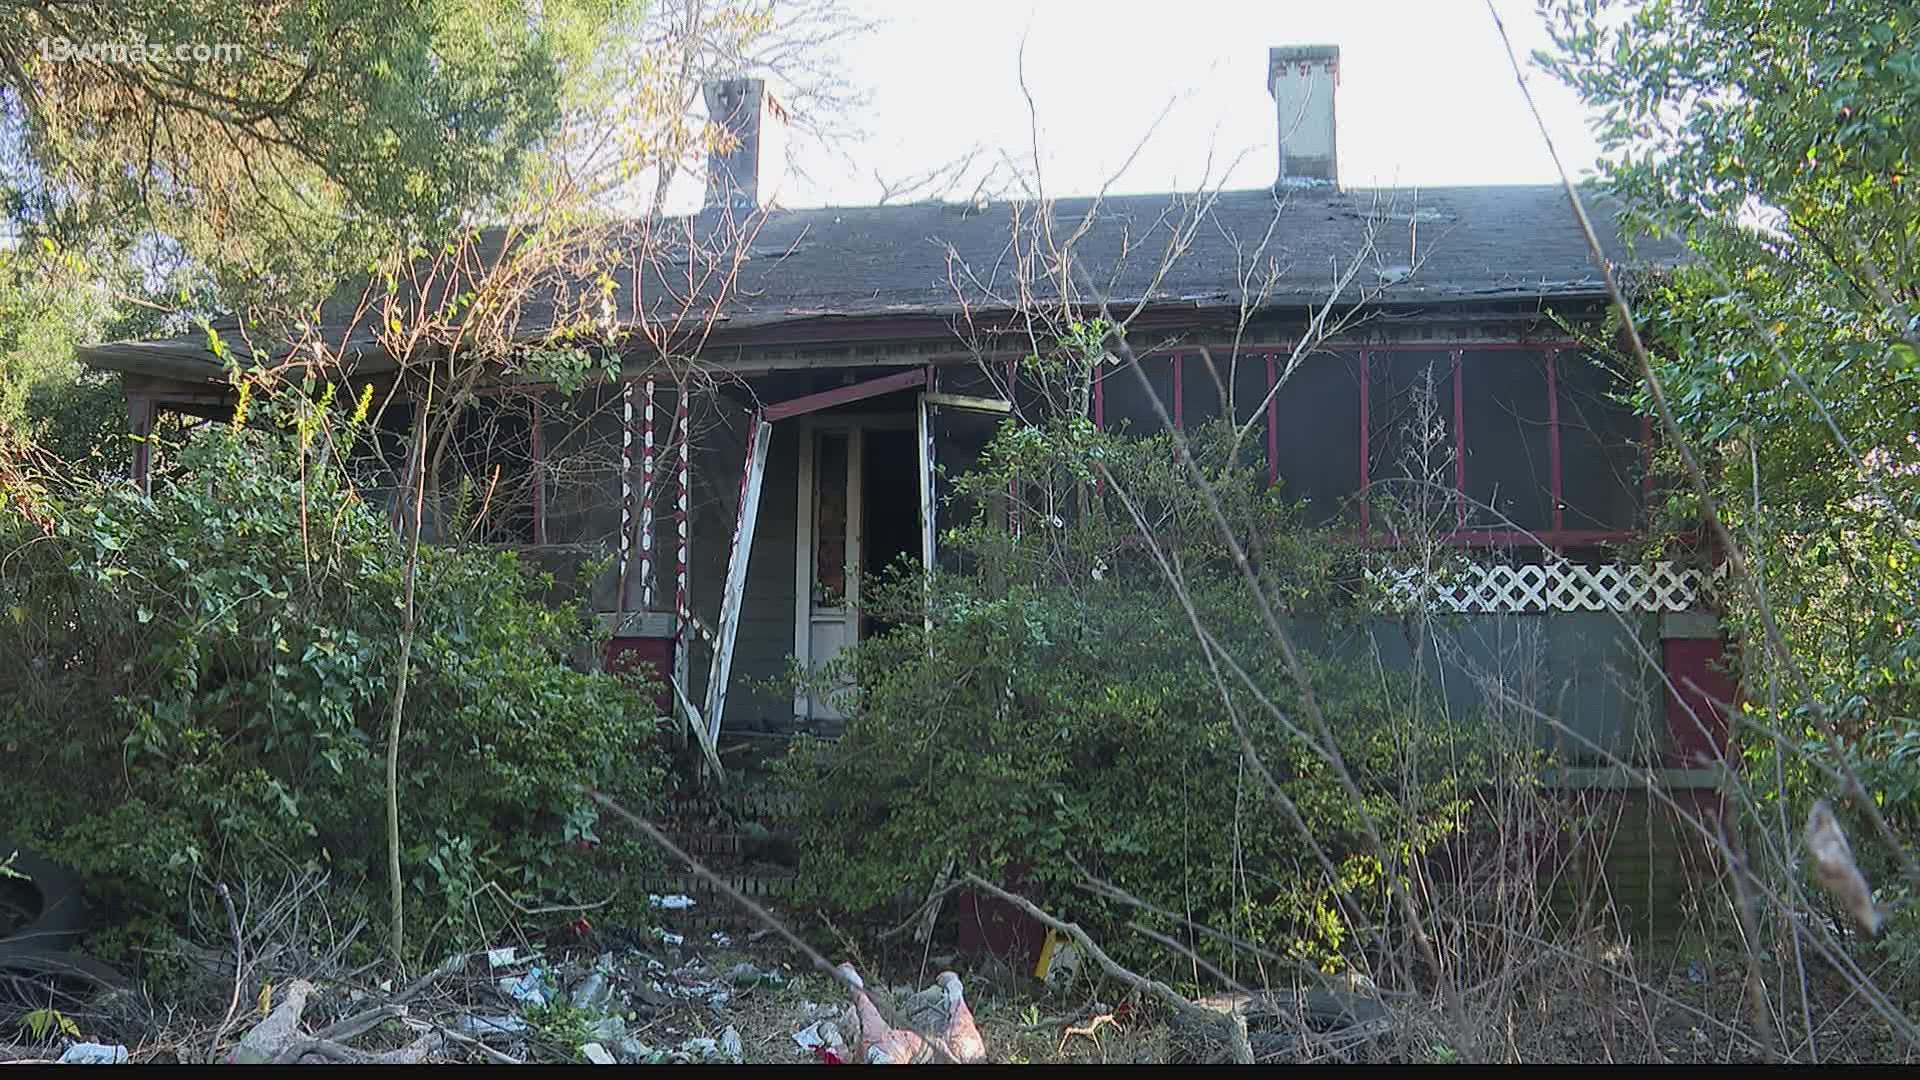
x=1532 y=587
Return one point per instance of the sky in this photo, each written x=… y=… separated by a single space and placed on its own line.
x=1426 y=96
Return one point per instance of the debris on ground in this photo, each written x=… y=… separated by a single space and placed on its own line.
x=279 y=1040
x=270 y=1036
x=490 y=1026
x=593 y=992
x=528 y=989
x=1282 y=1023
x=90 y=1053
x=822 y=1038
x=940 y=1026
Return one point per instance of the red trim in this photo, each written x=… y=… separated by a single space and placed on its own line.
x=1365 y=515
x=1553 y=439
x=1459 y=445
x=1013 y=475
x=842 y=395
x=1646 y=466
x=629 y=514
x=1696 y=715
x=538 y=449
x=1273 y=427
x=1511 y=538
x=627 y=653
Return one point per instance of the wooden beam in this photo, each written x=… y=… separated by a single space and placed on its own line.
x=967 y=401
x=733 y=594
x=140 y=427
x=841 y=395
x=926 y=463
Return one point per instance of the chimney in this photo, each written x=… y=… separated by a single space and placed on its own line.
x=741 y=175
x=1302 y=80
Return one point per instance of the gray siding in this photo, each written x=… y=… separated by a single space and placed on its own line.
x=1584 y=685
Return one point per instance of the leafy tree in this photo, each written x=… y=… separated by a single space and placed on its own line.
x=314 y=130
x=1778 y=139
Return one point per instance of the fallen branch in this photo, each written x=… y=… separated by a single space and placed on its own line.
x=233 y=1003
x=411 y=1054
x=1090 y=1030
x=470 y=1042
x=1226 y=1025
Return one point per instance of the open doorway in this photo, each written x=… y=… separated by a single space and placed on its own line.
x=859 y=503
x=890 y=506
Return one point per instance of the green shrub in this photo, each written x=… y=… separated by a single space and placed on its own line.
x=1060 y=717
x=198 y=687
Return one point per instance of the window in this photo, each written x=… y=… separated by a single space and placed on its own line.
x=1516 y=441
x=530 y=468
x=1314 y=445
x=486 y=491
x=1507 y=464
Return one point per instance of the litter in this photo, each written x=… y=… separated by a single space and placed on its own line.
x=608 y=1029
x=632 y=1051
x=597 y=1054
x=671 y=902
x=821 y=1035
x=1059 y=958
x=489 y=1025
x=499 y=958
x=593 y=993
x=528 y=989
x=89 y=1053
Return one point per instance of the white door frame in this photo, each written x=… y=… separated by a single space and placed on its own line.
x=810 y=428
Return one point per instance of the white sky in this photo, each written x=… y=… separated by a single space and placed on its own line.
x=1426 y=94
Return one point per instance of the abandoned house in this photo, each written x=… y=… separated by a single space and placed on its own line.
x=852 y=365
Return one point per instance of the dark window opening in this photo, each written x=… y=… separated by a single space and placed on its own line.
x=1508 y=462
x=830 y=520
x=1316 y=432
x=890 y=492
x=487 y=480
x=1601 y=453
x=1204 y=380
x=581 y=441
x=1411 y=454
x=1126 y=406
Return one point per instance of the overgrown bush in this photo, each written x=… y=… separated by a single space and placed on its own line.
x=197 y=685
x=1059 y=718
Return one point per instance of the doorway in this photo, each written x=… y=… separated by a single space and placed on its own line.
x=859 y=516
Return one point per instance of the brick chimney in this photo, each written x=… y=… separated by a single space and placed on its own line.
x=1303 y=80
x=742 y=175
